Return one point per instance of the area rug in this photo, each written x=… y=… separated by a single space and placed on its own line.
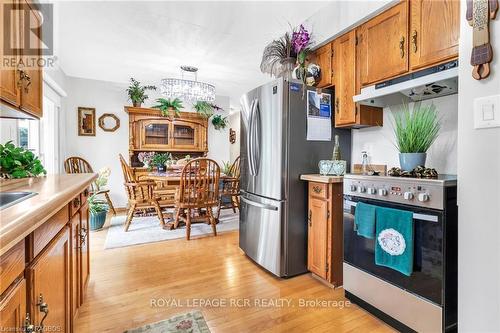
x=191 y=322
x=148 y=230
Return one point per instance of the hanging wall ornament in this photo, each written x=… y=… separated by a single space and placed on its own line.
x=479 y=13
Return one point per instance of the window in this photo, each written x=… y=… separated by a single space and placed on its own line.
x=28 y=135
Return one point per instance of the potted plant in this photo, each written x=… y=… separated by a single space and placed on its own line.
x=146 y=158
x=219 y=122
x=169 y=107
x=18 y=162
x=98 y=210
x=137 y=93
x=204 y=108
x=160 y=160
x=226 y=168
x=102 y=178
x=415 y=132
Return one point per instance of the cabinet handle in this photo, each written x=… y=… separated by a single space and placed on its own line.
x=28 y=326
x=86 y=192
x=21 y=78
x=28 y=80
x=43 y=308
x=402 y=46
x=414 y=41
x=83 y=236
x=76 y=203
x=337 y=103
x=310 y=217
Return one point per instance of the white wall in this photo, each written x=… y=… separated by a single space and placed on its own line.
x=102 y=150
x=379 y=141
x=8 y=130
x=340 y=16
x=478 y=195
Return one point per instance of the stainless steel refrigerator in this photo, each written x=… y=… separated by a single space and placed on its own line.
x=274 y=153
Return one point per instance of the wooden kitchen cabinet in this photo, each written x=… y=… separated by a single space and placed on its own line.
x=49 y=284
x=383 y=45
x=323 y=57
x=348 y=113
x=434 y=32
x=13 y=308
x=21 y=85
x=325 y=229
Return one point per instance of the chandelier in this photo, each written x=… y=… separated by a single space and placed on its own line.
x=188 y=90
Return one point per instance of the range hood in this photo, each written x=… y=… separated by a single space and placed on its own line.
x=437 y=81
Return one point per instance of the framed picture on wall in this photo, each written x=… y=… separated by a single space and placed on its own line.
x=86 y=121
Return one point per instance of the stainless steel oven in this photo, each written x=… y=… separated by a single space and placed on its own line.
x=431 y=290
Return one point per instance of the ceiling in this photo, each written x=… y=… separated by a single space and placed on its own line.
x=115 y=40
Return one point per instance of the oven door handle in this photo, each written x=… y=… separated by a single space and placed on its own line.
x=416 y=216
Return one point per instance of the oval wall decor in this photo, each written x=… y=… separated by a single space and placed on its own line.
x=109 y=122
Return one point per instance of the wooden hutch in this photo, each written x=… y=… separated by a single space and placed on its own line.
x=149 y=131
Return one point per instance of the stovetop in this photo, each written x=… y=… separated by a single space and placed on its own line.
x=421 y=192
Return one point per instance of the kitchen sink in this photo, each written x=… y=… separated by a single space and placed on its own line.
x=8 y=199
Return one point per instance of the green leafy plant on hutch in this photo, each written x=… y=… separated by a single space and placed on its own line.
x=137 y=93
x=169 y=107
x=18 y=162
x=219 y=122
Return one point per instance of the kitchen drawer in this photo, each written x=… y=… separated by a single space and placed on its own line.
x=74 y=205
x=47 y=231
x=319 y=190
x=11 y=265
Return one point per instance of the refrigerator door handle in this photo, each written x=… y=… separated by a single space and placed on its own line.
x=256 y=137
x=249 y=139
x=258 y=204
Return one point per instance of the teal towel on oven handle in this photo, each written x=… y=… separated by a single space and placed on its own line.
x=364 y=219
x=394 y=239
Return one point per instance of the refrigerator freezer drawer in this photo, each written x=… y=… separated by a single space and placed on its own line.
x=260 y=231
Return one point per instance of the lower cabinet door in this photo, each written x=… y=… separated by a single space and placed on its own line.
x=49 y=287
x=75 y=264
x=317 y=236
x=84 y=248
x=13 y=308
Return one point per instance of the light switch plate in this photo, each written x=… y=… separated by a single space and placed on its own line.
x=487 y=112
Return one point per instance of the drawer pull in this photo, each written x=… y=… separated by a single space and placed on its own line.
x=83 y=236
x=402 y=47
x=86 y=192
x=310 y=218
x=317 y=189
x=28 y=326
x=76 y=203
x=414 y=41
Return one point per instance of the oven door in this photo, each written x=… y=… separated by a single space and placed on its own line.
x=427 y=278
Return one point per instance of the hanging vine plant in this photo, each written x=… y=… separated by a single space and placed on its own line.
x=219 y=122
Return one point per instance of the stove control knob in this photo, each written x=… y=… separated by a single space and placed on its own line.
x=408 y=196
x=382 y=191
x=361 y=189
x=371 y=190
x=353 y=188
x=423 y=197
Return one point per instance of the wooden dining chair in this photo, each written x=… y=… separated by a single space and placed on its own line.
x=140 y=194
x=229 y=193
x=77 y=164
x=198 y=190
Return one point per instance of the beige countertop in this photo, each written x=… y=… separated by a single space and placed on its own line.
x=54 y=192
x=322 y=179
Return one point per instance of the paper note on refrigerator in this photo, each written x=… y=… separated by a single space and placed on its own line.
x=319 y=116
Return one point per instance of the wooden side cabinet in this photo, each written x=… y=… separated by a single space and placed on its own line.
x=434 y=32
x=21 y=86
x=13 y=308
x=325 y=230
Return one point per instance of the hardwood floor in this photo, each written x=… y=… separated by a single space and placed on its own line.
x=126 y=283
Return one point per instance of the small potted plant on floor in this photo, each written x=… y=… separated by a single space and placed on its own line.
x=18 y=162
x=219 y=122
x=169 y=107
x=415 y=132
x=137 y=93
x=98 y=210
x=160 y=160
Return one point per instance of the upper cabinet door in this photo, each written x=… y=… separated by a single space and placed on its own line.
x=31 y=90
x=434 y=31
x=345 y=78
x=384 y=45
x=9 y=77
x=323 y=59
